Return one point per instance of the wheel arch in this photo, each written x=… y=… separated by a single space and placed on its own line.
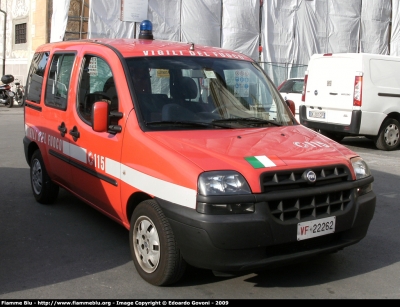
x=394 y=115
x=32 y=147
x=134 y=200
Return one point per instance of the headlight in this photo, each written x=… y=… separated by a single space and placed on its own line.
x=361 y=168
x=222 y=183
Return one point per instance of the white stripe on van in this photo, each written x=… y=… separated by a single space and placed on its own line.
x=113 y=168
x=75 y=152
x=157 y=187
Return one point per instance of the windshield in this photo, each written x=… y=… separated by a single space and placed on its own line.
x=204 y=93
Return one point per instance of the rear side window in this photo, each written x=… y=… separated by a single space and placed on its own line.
x=35 y=76
x=58 y=80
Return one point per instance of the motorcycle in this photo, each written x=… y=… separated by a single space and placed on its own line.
x=6 y=94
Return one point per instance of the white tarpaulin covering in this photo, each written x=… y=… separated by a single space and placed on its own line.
x=375 y=21
x=291 y=30
x=241 y=26
x=278 y=30
x=395 y=37
x=201 y=22
x=165 y=16
x=278 y=35
x=59 y=20
x=311 y=34
x=344 y=26
x=105 y=21
x=323 y=26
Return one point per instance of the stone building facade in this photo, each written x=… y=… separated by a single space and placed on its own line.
x=28 y=25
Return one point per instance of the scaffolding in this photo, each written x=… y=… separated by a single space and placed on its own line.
x=78 y=17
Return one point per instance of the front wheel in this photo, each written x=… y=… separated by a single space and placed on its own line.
x=154 y=250
x=9 y=102
x=19 y=97
x=44 y=190
x=388 y=137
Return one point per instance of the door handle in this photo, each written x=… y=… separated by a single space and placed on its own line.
x=75 y=133
x=62 y=129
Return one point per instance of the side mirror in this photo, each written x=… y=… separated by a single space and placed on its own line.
x=291 y=106
x=100 y=116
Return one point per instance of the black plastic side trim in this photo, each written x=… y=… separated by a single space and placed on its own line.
x=34 y=107
x=389 y=95
x=83 y=168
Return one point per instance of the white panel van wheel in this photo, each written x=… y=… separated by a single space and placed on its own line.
x=44 y=190
x=388 y=138
x=153 y=247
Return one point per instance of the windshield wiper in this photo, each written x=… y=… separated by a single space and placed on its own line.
x=187 y=123
x=248 y=120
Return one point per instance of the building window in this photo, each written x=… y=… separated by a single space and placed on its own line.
x=20 y=33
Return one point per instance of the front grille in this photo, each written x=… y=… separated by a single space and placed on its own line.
x=292 y=208
x=304 y=208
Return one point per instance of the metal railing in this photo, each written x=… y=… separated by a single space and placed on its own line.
x=279 y=72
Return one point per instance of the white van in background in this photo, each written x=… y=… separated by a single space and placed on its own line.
x=353 y=94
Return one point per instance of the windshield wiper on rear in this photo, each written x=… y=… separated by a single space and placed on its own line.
x=247 y=120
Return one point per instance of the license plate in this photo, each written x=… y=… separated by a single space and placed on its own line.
x=316 y=228
x=316 y=114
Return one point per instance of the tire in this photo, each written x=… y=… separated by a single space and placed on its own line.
x=19 y=97
x=388 y=138
x=9 y=102
x=154 y=250
x=333 y=136
x=44 y=190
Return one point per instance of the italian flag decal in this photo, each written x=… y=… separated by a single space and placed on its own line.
x=264 y=161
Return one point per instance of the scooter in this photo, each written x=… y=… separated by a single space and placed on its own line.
x=6 y=94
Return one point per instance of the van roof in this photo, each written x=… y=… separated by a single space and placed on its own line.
x=356 y=55
x=130 y=47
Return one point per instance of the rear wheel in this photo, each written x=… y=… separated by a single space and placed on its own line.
x=154 y=250
x=388 y=138
x=44 y=190
x=333 y=136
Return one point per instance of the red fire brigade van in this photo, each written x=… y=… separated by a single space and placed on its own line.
x=194 y=151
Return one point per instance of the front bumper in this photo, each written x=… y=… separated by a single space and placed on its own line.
x=244 y=242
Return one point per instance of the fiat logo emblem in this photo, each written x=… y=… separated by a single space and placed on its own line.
x=315 y=92
x=309 y=176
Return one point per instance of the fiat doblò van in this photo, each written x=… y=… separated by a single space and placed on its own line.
x=353 y=94
x=194 y=151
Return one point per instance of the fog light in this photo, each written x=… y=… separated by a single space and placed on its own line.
x=364 y=189
x=225 y=208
